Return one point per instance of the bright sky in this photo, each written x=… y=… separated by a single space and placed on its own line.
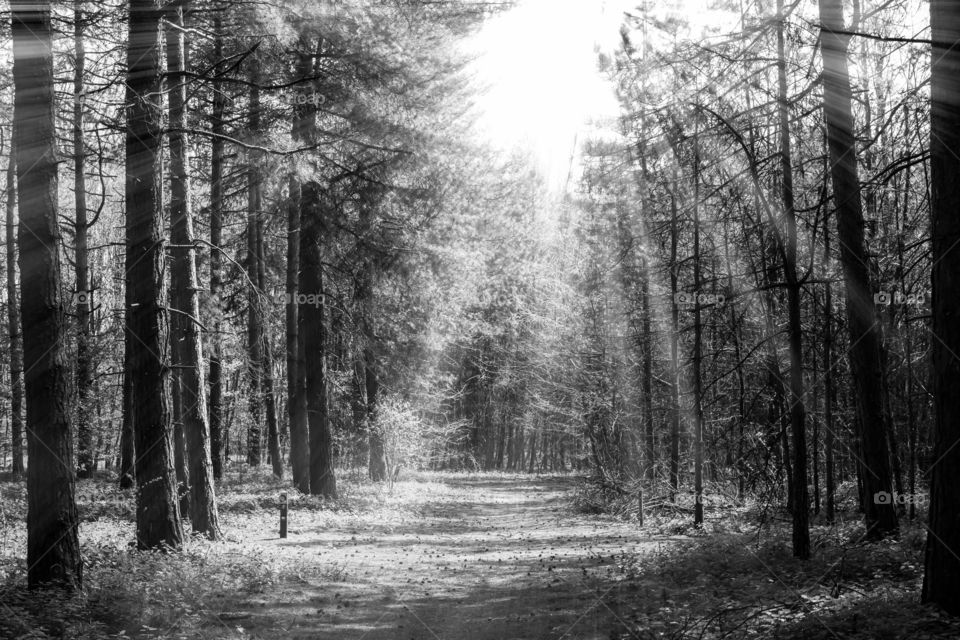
x=538 y=77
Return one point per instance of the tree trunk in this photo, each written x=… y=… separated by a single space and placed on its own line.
x=254 y=308
x=216 y=275
x=188 y=346
x=378 y=455
x=697 y=342
x=296 y=400
x=127 y=465
x=377 y=464
x=313 y=336
x=303 y=130
x=13 y=324
x=828 y=394
x=798 y=417
x=270 y=401
x=86 y=460
x=674 y=348
x=158 y=517
x=179 y=444
x=53 y=549
x=865 y=340
x=941 y=583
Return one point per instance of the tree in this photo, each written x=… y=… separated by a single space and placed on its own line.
x=941 y=582
x=86 y=454
x=13 y=324
x=187 y=346
x=314 y=209
x=866 y=367
x=798 y=415
x=158 y=514
x=254 y=303
x=53 y=548
x=216 y=275
x=302 y=131
x=367 y=376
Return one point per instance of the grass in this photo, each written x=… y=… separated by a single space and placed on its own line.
x=131 y=593
x=736 y=577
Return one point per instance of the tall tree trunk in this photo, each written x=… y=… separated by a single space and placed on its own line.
x=798 y=414
x=313 y=336
x=646 y=387
x=674 y=347
x=179 y=443
x=303 y=130
x=377 y=464
x=697 y=341
x=296 y=398
x=270 y=400
x=254 y=306
x=86 y=458
x=829 y=445
x=216 y=274
x=188 y=346
x=941 y=582
x=13 y=324
x=127 y=470
x=53 y=548
x=865 y=339
x=378 y=455
x=158 y=517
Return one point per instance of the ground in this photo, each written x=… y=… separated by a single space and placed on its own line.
x=466 y=556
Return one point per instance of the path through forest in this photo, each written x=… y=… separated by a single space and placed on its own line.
x=490 y=557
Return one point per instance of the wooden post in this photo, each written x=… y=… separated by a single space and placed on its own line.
x=640 y=507
x=283 y=515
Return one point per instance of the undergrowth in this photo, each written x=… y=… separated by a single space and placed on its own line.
x=735 y=576
x=147 y=594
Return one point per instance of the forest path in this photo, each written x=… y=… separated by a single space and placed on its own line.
x=487 y=557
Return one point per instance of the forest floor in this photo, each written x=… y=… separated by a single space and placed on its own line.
x=466 y=556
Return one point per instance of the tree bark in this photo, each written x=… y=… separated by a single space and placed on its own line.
x=13 y=324
x=313 y=336
x=216 y=274
x=158 y=517
x=53 y=549
x=86 y=455
x=127 y=470
x=377 y=462
x=254 y=313
x=697 y=342
x=296 y=399
x=270 y=401
x=941 y=583
x=303 y=131
x=865 y=339
x=798 y=414
x=188 y=346
x=674 y=347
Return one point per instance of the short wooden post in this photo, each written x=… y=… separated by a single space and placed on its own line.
x=283 y=515
x=640 y=507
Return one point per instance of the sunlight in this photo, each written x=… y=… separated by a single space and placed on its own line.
x=537 y=76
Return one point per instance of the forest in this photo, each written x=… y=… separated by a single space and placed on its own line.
x=480 y=319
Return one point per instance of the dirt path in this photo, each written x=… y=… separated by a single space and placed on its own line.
x=488 y=558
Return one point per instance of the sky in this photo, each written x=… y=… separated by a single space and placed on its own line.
x=537 y=78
